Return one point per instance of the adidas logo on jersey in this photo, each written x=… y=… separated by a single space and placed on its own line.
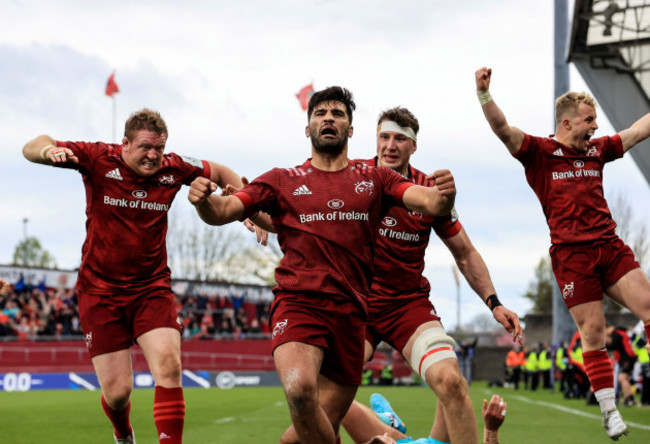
x=114 y=174
x=558 y=152
x=302 y=189
x=164 y=435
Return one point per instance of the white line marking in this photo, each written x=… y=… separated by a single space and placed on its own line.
x=572 y=411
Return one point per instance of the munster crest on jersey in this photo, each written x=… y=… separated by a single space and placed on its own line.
x=366 y=187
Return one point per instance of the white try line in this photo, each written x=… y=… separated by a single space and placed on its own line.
x=570 y=410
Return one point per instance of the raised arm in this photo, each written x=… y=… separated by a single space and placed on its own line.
x=639 y=131
x=511 y=136
x=43 y=150
x=214 y=209
x=435 y=201
x=476 y=273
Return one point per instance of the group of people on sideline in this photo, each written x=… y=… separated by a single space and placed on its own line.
x=561 y=367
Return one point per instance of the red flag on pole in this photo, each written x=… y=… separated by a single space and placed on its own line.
x=111 y=86
x=304 y=95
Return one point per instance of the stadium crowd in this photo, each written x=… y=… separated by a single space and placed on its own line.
x=36 y=311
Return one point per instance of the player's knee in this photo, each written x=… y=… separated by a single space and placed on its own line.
x=446 y=381
x=593 y=334
x=302 y=396
x=117 y=395
x=169 y=372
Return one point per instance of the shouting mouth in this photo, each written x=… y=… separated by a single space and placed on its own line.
x=328 y=131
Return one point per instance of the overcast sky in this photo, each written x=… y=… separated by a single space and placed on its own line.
x=224 y=75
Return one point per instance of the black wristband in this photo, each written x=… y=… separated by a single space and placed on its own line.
x=493 y=302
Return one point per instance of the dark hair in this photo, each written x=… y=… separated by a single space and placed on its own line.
x=402 y=116
x=145 y=119
x=332 y=94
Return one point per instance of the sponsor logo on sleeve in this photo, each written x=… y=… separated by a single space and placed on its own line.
x=192 y=161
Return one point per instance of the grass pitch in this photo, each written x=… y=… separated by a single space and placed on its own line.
x=260 y=415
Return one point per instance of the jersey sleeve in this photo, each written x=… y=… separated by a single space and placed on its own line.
x=613 y=148
x=394 y=185
x=86 y=152
x=260 y=194
x=527 y=150
x=447 y=226
x=189 y=167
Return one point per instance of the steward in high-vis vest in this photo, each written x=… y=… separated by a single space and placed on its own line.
x=531 y=370
x=544 y=365
x=514 y=361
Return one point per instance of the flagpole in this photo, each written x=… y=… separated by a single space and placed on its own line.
x=114 y=113
x=454 y=270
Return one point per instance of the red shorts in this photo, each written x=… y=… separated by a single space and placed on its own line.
x=333 y=325
x=396 y=323
x=584 y=272
x=113 y=322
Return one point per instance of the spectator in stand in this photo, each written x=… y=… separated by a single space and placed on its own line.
x=254 y=328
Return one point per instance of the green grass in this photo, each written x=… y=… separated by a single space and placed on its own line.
x=259 y=415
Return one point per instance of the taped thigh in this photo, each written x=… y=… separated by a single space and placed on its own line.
x=433 y=345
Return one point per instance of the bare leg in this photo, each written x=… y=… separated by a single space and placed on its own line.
x=316 y=404
x=439 y=430
x=362 y=424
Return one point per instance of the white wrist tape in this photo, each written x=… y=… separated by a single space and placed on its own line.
x=433 y=345
x=484 y=96
x=45 y=149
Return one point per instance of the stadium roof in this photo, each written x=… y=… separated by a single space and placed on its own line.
x=610 y=46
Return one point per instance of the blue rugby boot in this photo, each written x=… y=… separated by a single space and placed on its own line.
x=385 y=412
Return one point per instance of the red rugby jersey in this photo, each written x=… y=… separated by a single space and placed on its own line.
x=401 y=244
x=569 y=185
x=126 y=215
x=326 y=223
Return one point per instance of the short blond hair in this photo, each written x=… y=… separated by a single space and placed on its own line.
x=568 y=103
x=145 y=119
